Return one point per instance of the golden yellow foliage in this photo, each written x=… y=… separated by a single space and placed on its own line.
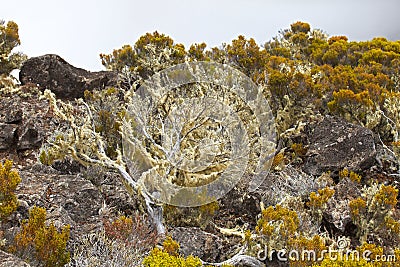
x=46 y=242
x=9 y=180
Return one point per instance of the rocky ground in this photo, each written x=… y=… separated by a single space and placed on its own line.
x=77 y=196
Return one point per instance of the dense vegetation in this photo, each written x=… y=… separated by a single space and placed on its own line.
x=304 y=74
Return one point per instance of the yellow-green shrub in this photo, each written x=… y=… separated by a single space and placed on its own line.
x=168 y=256
x=151 y=46
x=318 y=201
x=171 y=246
x=300 y=26
x=351 y=105
x=372 y=213
x=159 y=258
x=9 y=40
x=345 y=173
x=40 y=243
x=277 y=226
x=9 y=180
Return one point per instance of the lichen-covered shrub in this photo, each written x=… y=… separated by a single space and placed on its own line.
x=9 y=40
x=108 y=111
x=277 y=226
x=279 y=230
x=42 y=244
x=372 y=213
x=9 y=180
x=194 y=216
x=318 y=202
x=8 y=60
x=96 y=249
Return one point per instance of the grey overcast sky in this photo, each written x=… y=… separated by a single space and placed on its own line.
x=79 y=30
